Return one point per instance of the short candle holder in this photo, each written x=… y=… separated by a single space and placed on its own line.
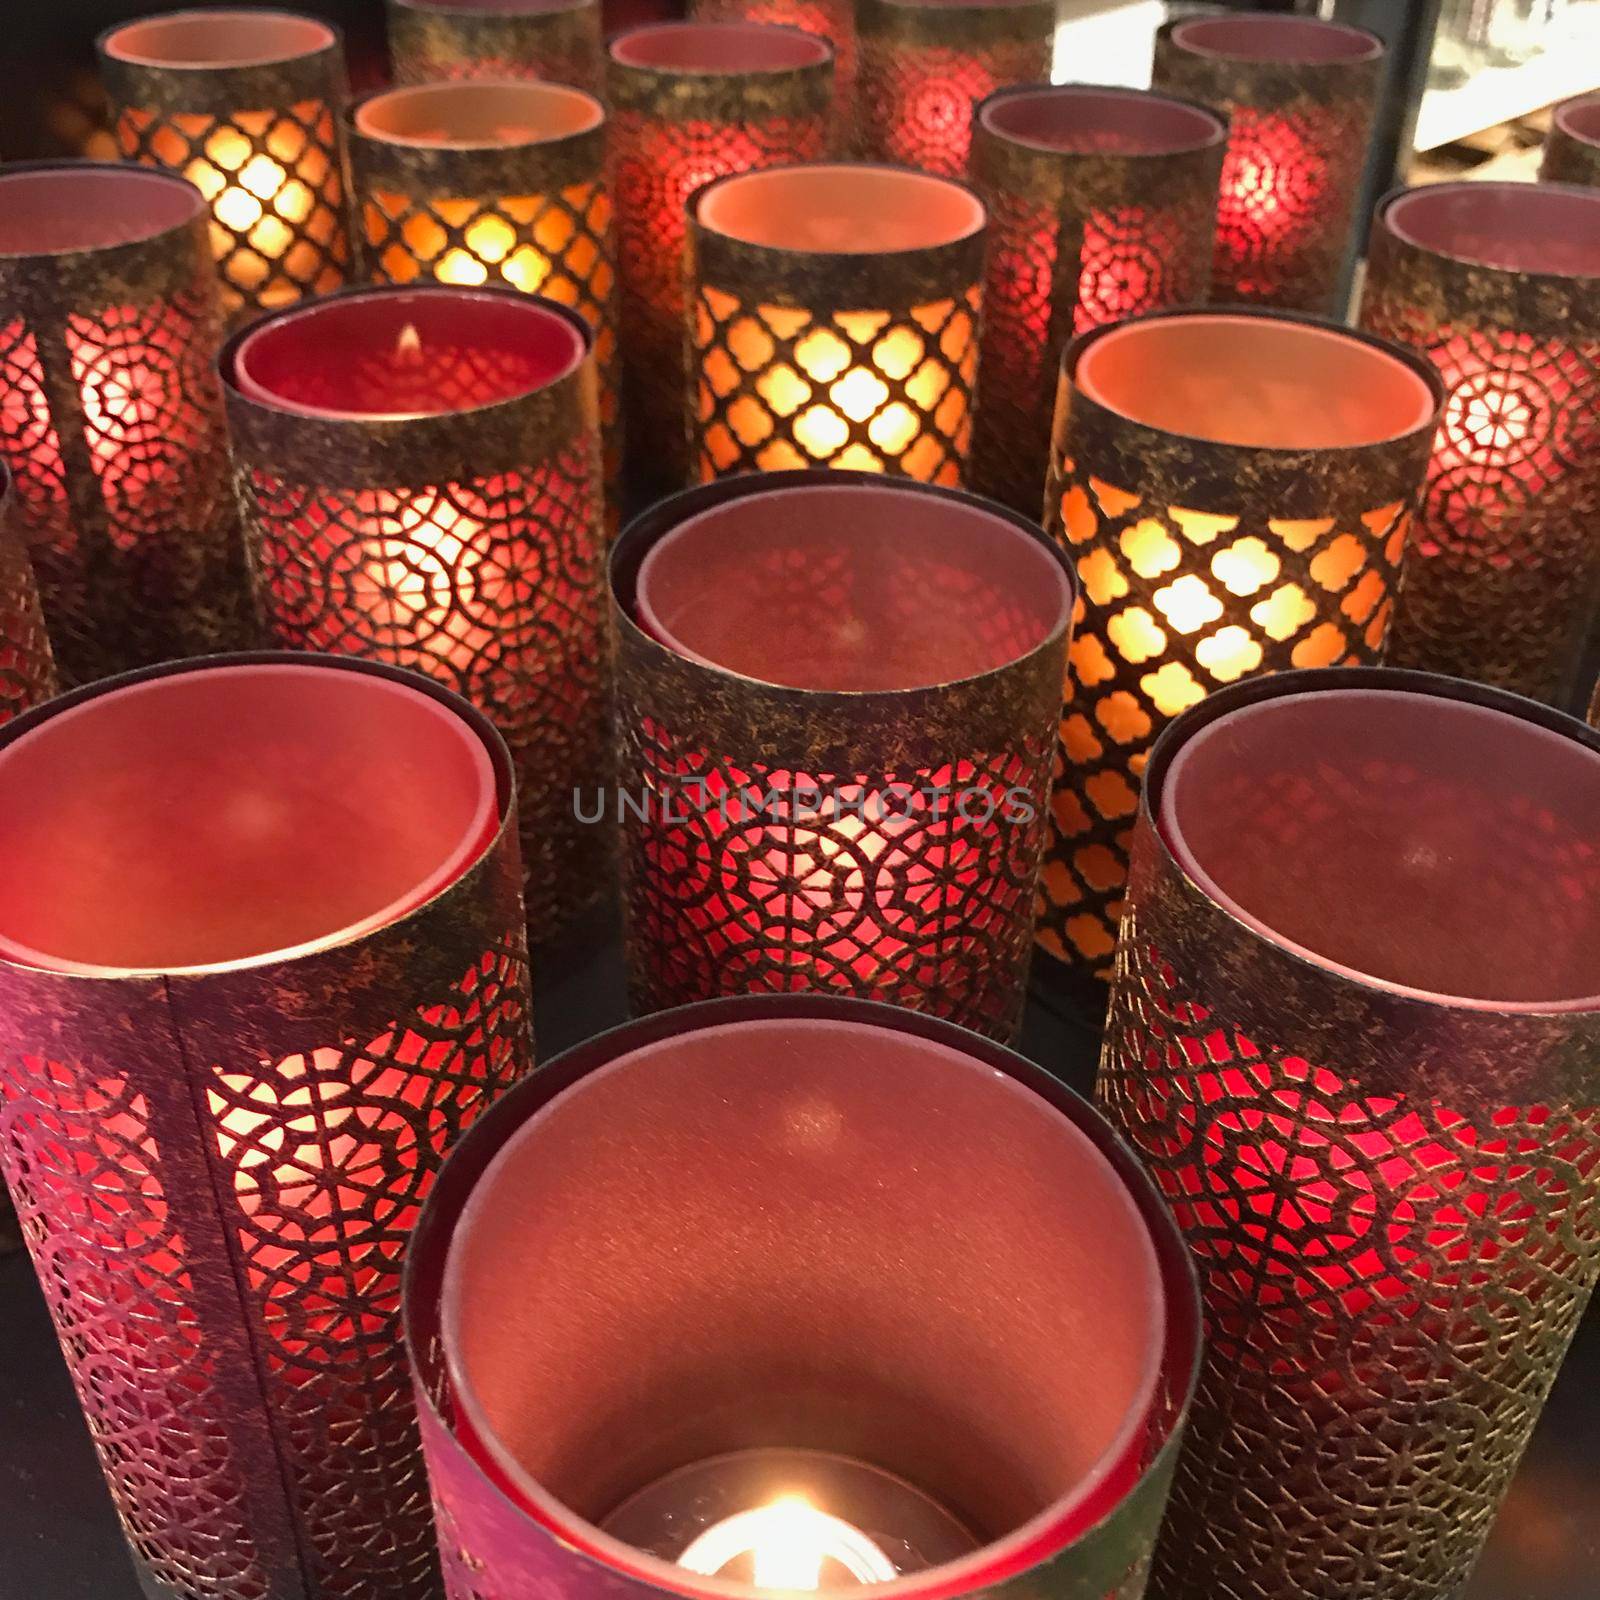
x=264 y=965
x=1354 y=1035
x=837 y=699
x=1572 y=146
x=419 y=470
x=27 y=671
x=1300 y=97
x=833 y=321
x=926 y=64
x=1102 y=204
x=111 y=418
x=441 y=41
x=693 y=101
x=853 y=1297
x=245 y=104
x=1498 y=285
x=833 y=20
x=1237 y=489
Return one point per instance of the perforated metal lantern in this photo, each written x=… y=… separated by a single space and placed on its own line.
x=1572 y=146
x=1498 y=285
x=1300 y=96
x=245 y=104
x=1353 y=1036
x=111 y=417
x=1237 y=490
x=27 y=672
x=438 y=41
x=833 y=20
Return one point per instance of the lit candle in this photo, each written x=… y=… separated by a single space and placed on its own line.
x=833 y=321
x=1236 y=489
x=246 y=106
x=557 y=41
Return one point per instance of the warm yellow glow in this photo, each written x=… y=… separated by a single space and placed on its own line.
x=787 y=1542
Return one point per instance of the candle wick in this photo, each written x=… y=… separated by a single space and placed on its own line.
x=408 y=347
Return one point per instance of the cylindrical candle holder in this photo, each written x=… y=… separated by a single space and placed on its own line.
x=833 y=20
x=1102 y=204
x=925 y=65
x=1354 y=1036
x=27 y=670
x=500 y=183
x=420 y=471
x=439 y=41
x=693 y=101
x=1572 y=147
x=836 y=708
x=1237 y=489
x=264 y=965
x=1498 y=284
x=833 y=321
x=853 y=1294
x=111 y=418
x=245 y=104
x=1300 y=97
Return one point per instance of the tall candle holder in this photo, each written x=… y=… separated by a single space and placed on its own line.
x=1498 y=285
x=245 y=104
x=832 y=1196
x=1102 y=204
x=438 y=41
x=1237 y=490
x=926 y=64
x=27 y=672
x=1572 y=146
x=693 y=101
x=836 y=708
x=499 y=183
x=1353 y=1035
x=833 y=314
x=419 y=469
x=264 y=965
x=833 y=20
x=111 y=418
x=1300 y=96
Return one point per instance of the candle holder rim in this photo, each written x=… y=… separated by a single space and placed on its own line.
x=1417 y=365
x=1584 y=106
x=468 y=89
x=828 y=54
x=1308 y=680
x=332 y=39
x=968 y=8
x=198 y=208
x=994 y=101
x=494 y=10
x=641 y=535
x=311 y=660
x=474 y=1153
x=1375 y=46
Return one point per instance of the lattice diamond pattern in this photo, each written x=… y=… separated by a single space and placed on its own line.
x=27 y=674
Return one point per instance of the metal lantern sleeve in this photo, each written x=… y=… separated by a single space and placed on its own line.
x=27 y=672
x=1300 y=97
x=419 y=469
x=1237 y=491
x=836 y=706
x=1498 y=285
x=926 y=64
x=1572 y=147
x=111 y=418
x=263 y=965
x=833 y=20
x=833 y=321
x=692 y=101
x=245 y=104
x=851 y=1294
x=437 y=41
x=1355 y=1036
x=1102 y=204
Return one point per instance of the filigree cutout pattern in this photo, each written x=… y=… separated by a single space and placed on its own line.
x=27 y=673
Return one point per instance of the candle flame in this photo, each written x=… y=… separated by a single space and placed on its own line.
x=787 y=1541
x=408 y=347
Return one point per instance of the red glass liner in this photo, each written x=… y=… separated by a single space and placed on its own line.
x=1353 y=1034
x=833 y=20
x=265 y=964
x=876 y=1177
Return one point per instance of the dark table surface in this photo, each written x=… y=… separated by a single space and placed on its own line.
x=59 y=1538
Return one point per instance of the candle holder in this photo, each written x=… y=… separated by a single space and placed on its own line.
x=693 y=101
x=1498 y=284
x=1272 y=539
x=1572 y=147
x=833 y=20
x=110 y=416
x=833 y=321
x=1102 y=204
x=438 y=41
x=1353 y=1035
x=833 y=1259
x=1300 y=97
x=245 y=105
x=419 y=469
x=27 y=671
x=836 y=707
x=926 y=64
x=264 y=966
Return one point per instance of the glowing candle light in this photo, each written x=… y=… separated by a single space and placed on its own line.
x=555 y=41
x=246 y=106
x=1237 y=490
